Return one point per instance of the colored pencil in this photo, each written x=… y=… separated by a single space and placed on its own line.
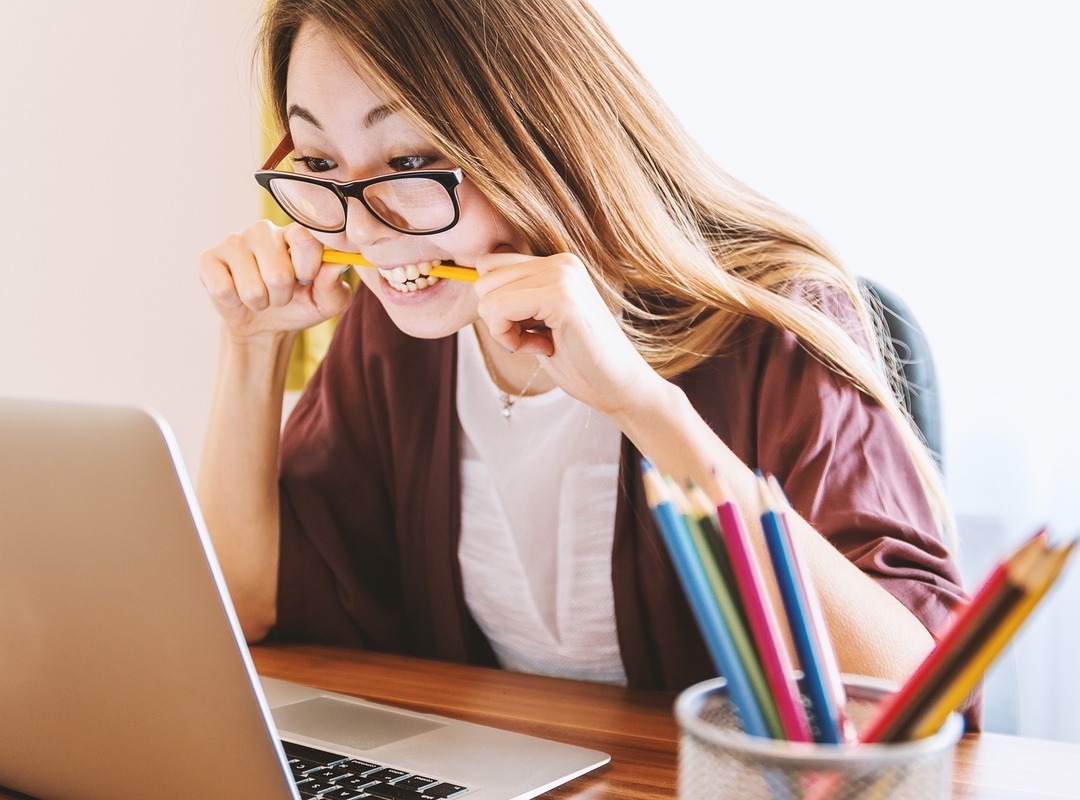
x=819 y=631
x=722 y=590
x=1036 y=579
x=451 y=271
x=896 y=714
x=702 y=603
x=705 y=511
x=792 y=594
x=764 y=626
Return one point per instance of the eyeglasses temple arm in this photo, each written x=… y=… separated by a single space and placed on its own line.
x=284 y=147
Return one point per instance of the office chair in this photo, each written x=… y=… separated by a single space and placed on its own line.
x=914 y=362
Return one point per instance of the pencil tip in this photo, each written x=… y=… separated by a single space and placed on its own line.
x=763 y=492
x=778 y=492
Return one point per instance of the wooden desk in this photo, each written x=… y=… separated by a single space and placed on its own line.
x=637 y=728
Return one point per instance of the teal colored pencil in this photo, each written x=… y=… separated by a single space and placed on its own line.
x=705 y=511
x=702 y=603
x=723 y=591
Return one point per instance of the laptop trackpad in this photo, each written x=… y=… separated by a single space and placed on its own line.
x=348 y=724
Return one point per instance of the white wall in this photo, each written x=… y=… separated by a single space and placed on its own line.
x=932 y=143
x=935 y=145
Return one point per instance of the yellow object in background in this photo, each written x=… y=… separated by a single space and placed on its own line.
x=311 y=345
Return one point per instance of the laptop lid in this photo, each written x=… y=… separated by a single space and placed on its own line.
x=124 y=672
x=121 y=675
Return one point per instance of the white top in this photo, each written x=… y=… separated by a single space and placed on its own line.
x=535 y=546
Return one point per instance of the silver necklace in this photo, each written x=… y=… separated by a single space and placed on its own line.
x=506 y=400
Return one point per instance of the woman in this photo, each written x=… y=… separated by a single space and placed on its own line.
x=461 y=479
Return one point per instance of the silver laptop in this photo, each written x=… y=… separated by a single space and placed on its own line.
x=123 y=672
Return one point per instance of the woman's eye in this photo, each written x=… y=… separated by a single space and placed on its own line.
x=408 y=163
x=313 y=164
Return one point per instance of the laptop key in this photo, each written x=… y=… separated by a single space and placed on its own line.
x=301 y=765
x=354 y=782
x=331 y=774
x=387 y=774
x=443 y=790
x=358 y=767
x=294 y=750
x=314 y=787
x=388 y=791
x=341 y=794
x=416 y=782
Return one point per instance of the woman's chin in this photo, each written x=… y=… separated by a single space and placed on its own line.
x=428 y=312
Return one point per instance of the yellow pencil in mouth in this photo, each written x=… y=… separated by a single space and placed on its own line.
x=442 y=270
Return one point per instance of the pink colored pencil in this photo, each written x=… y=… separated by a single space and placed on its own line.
x=764 y=627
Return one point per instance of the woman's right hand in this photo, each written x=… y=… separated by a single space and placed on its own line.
x=271 y=279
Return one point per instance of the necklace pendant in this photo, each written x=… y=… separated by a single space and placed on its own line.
x=507 y=404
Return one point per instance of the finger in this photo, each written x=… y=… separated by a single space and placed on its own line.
x=538 y=341
x=329 y=292
x=216 y=278
x=516 y=318
x=502 y=257
x=275 y=268
x=305 y=252
x=235 y=253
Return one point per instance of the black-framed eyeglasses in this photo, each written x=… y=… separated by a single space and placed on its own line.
x=419 y=203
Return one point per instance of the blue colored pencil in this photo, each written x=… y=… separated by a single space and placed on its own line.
x=793 y=596
x=703 y=604
x=834 y=681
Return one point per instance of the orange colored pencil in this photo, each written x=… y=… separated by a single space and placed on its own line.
x=990 y=605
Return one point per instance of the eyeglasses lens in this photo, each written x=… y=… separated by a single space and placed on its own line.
x=415 y=205
x=411 y=204
x=309 y=204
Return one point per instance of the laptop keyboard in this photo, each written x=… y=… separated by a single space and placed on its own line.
x=322 y=774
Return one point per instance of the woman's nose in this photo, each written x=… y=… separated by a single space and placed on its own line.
x=362 y=227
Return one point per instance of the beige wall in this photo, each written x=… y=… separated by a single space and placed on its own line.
x=127 y=147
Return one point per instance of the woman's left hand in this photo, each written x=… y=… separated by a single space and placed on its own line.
x=549 y=306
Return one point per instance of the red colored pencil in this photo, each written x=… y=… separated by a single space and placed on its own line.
x=991 y=603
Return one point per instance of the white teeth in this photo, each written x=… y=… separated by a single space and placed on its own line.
x=410 y=278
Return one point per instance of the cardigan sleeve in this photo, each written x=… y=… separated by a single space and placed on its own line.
x=338 y=578
x=846 y=468
x=840 y=458
x=369 y=493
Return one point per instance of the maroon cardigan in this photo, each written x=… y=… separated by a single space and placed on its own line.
x=370 y=490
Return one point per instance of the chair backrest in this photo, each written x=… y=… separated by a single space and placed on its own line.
x=915 y=363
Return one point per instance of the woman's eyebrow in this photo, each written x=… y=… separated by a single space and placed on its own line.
x=372 y=118
x=302 y=113
x=378 y=114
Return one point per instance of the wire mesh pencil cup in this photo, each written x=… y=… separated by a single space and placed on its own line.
x=717 y=760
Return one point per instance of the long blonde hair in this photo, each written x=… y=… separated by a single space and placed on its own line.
x=551 y=120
